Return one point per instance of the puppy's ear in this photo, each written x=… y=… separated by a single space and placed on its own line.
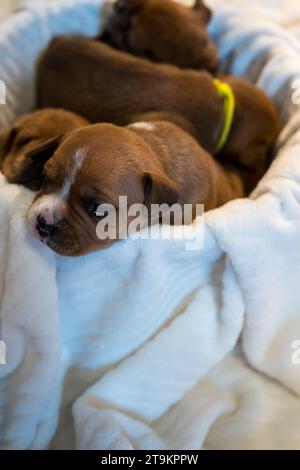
x=44 y=151
x=7 y=139
x=204 y=11
x=30 y=173
x=159 y=189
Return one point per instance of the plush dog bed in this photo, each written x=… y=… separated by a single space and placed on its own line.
x=138 y=346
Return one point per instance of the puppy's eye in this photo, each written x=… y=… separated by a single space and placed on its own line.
x=91 y=206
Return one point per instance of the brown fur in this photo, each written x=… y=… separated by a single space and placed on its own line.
x=163 y=31
x=160 y=165
x=103 y=84
x=31 y=141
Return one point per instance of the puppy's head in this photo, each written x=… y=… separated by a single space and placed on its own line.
x=92 y=167
x=32 y=140
x=162 y=31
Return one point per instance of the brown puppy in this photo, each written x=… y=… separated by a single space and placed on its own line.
x=162 y=31
x=32 y=140
x=104 y=84
x=145 y=161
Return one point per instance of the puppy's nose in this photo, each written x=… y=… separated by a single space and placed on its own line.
x=44 y=229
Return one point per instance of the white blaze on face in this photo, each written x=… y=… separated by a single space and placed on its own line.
x=147 y=126
x=73 y=168
x=51 y=206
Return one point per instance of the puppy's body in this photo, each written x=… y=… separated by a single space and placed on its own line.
x=198 y=177
x=103 y=84
x=149 y=163
x=163 y=31
x=31 y=141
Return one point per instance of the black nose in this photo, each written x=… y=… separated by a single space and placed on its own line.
x=44 y=229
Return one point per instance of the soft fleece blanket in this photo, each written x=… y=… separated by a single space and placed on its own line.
x=147 y=345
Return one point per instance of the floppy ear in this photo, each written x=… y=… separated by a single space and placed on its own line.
x=30 y=172
x=44 y=151
x=159 y=189
x=205 y=12
x=7 y=139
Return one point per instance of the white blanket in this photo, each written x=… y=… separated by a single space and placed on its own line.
x=137 y=347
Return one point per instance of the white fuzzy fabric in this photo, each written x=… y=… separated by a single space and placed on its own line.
x=137 y=346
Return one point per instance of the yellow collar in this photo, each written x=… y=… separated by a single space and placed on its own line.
x=225 y=92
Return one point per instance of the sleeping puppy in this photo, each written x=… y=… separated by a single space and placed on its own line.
x=163 y=31
x=145 y=161
x=104 y=84
x=32 y=140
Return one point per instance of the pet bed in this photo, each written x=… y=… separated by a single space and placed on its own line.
x=147 y=345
